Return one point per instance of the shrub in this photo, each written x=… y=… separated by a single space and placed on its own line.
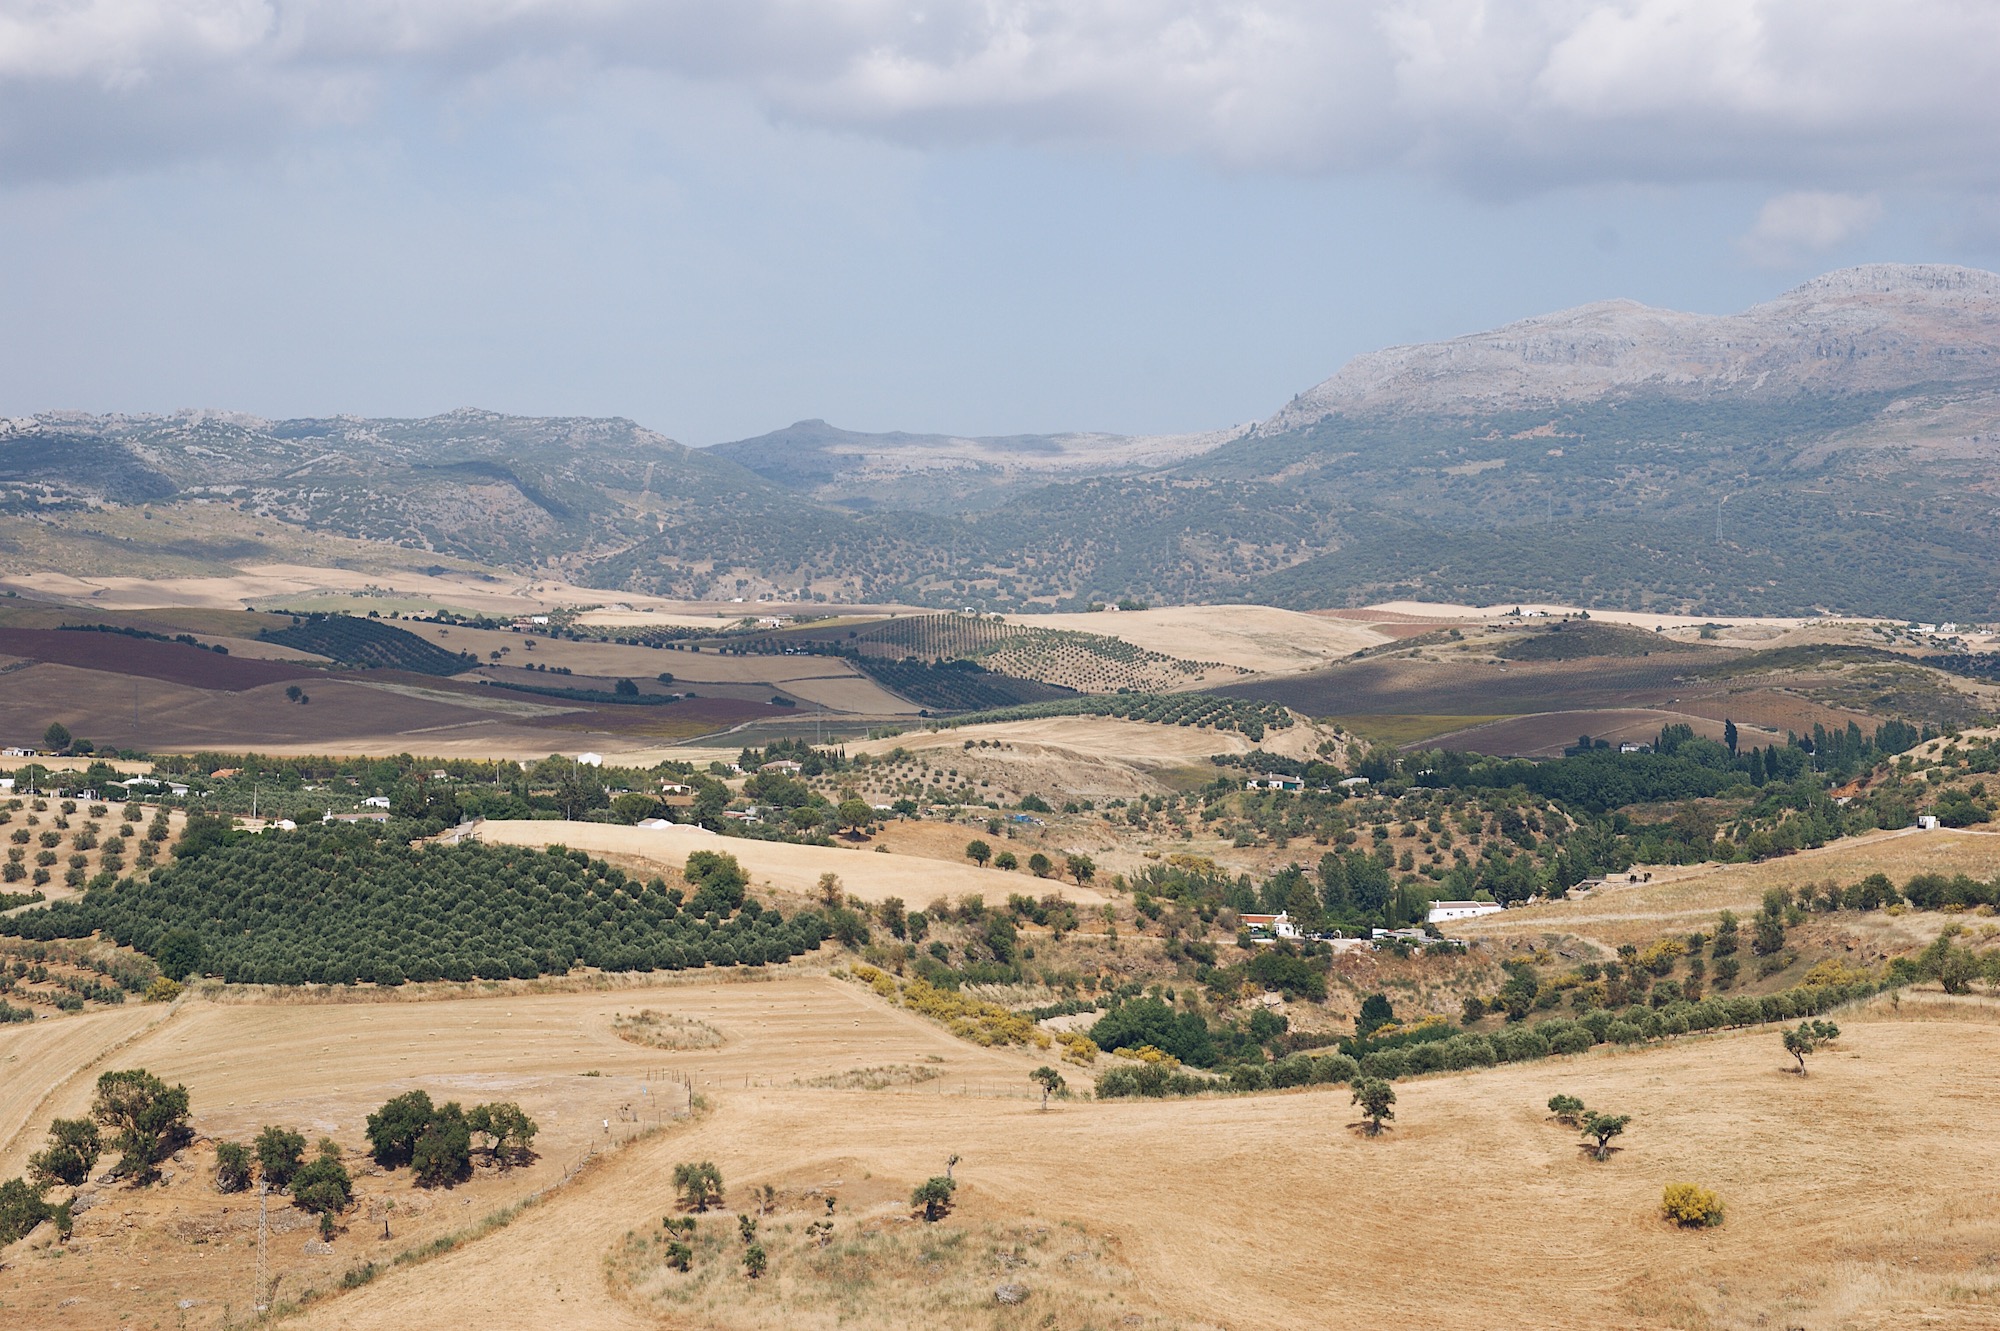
x=933 y=1197
x=232 y=1167
x=1690 y=1206
x=699 y=1184
x=1566 y=1109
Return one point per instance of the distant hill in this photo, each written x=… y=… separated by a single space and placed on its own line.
x=941 y=472
x=1833 y=449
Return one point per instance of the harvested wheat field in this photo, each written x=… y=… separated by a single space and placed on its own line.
x=784 y=866
x=1851 y=1198
x=1258 y=638
x=1681 y=899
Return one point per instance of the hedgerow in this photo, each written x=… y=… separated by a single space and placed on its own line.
x=1515 y=1044
x=349 y=903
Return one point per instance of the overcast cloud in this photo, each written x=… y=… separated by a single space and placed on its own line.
x=1499 y=96
x=1779 y=133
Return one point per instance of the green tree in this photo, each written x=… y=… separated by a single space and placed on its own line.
x=854 y=814
x=147 y=1120
x=1566 y=1109
x=57 y=737
x=1050 y=1081
x=1082 y=868
x=71 y=1154
x=1376 y=1098
x=443 y=1154
x=279 y=1155
x=179 y=954
x=978 y=852
x=22 y=1208
x=746 y=1226
x=232 y=1166
x=508 y=1130
x=1376 y=1012
x=699 y=1184
x=1767 y=936
x=323 y=1185
x=393 y=1129
x=1005 y=860
x=1602 y=1128
x=1952 y=966
x=1039 y=865
x=1807 y=1038
x=755 y=1261
x=933 y=1197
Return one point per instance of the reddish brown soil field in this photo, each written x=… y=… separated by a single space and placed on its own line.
x=172 y=662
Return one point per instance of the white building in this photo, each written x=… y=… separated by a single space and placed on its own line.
x=1274 y=783
x=375 y=802
x=1927 y=822
x=590 y=759
x=1443 y=911
x=1278 y=926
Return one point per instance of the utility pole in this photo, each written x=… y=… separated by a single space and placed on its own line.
x=259 y=1299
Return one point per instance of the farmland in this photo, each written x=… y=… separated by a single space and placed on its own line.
x=1881 y=1229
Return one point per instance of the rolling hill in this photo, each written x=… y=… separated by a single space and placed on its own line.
x=1829 y=450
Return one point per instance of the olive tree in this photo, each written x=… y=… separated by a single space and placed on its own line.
x=1049 y=1080
x=1376 y=1098
x=1567 y=1110
x=1602 y=1128
x=1807 y=1038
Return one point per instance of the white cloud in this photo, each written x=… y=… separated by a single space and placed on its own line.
x=1806 y=224
x=1838 y=94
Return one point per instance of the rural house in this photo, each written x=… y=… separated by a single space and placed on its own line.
x=1274 y=783
x=1441 y=911
x=1276 y=926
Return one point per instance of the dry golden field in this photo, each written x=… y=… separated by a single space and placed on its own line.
x=1258 y=638
x=790 y=868
x=1856 y=1197
x=1686 y=898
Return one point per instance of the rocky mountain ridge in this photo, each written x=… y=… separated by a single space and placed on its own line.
x=1867 y=329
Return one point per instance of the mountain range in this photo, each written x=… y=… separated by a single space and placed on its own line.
x=1831 y=450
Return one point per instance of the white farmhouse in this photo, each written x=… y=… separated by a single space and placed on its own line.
x=1443 y=911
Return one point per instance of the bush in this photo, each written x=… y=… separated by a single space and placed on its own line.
x=232 y=1167
x=1690 y=1206
x=699 y=1184
x=933 y=1198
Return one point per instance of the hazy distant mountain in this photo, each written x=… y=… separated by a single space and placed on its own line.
x=1834 y=449
x=945 y=472
x=1859 y=330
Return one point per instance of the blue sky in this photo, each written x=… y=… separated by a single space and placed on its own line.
x=980 y=218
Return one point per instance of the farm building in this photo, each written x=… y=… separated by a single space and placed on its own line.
x=1354 y=783
x=1276 y=926
x=1441 y=911
x=786 y=765
x=1927 y=822
x=590 y=759
x=332 y=817
x=1274 y=783
x=375 y=802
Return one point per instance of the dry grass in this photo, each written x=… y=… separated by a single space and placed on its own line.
x=1853 y=1199
x=786 y=867
x=1249 y=637
x=1680 y=899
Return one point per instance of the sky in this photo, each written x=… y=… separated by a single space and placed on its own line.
x=973 y=216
